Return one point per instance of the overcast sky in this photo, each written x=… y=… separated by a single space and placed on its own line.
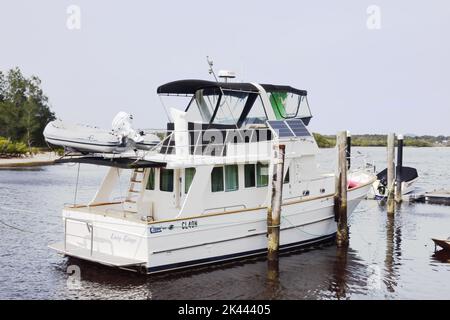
x=361 y=78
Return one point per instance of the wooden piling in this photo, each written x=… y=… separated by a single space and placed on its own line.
x=273 y=222
x=390 y=173
x=341 y=191
x=398 y=173
x=349 y=149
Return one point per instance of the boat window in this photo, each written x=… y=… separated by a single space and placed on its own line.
x=286 y=177
x=289 y=105
x=249 y=173
x=262 y=175
x=217 y=179
x=166 y=180
x=231 y=178
x=151 y=180
x=202 y=106
x=231 y=105
x=257 y=113
x=188 y=177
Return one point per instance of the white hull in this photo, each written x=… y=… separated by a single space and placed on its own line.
x=181 y=243
x=407 y=188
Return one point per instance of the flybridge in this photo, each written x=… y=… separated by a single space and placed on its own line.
x=238 y=105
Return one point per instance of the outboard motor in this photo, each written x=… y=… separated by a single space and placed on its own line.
x=122 y=126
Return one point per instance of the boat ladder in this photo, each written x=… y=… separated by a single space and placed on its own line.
x=134 y=191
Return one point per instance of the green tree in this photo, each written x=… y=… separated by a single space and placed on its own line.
x=24 y=108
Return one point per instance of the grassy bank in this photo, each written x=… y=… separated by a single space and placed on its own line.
x=378 y=140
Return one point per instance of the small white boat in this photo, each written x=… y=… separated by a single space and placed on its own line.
x=409 y=177
x=83 y=138
x=89 y=139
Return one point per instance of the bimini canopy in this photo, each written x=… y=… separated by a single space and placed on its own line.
x=189 y=87
x=288 y=89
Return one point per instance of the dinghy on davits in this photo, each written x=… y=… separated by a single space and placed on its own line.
x=82 y=138
x=89 y=139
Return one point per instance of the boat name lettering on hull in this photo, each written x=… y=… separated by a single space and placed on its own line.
x=189 y=224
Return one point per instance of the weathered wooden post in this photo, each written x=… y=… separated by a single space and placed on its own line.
x=349 y=149
x=273 y=223
x=341 y=191
x=398 y=174
x=390 y=173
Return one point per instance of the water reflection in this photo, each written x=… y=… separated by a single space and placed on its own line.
x=339 y=283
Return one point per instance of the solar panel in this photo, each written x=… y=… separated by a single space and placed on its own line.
x=281 y=128
x=298 y=127
x=289 y=128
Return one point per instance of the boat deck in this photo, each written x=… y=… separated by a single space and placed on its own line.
x=113 y=210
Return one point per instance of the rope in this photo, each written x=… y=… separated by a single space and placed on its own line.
x=308 y=233
x=14 y=227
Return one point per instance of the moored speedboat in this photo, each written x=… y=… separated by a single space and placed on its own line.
x=201 y=194
x=409 y=177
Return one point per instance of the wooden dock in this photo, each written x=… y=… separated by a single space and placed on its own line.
x=433 y=197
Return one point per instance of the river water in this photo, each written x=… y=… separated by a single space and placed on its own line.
x=388 y=258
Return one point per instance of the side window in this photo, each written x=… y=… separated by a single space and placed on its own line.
x=188 y=177
x=151 y=180
x=286 y=177
x=231 y=178
x=166 y=180
x=217 y=179
x=249 y=173
x=262 y=175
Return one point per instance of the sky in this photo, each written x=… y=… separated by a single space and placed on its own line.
x=368 y=66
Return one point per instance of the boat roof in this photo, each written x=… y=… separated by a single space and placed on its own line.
x=190 y=86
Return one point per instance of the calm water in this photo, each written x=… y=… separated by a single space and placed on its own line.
x=386 y=259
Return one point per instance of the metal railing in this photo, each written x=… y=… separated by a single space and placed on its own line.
x=211 y=141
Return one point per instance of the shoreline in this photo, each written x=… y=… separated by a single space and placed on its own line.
x=41 y=159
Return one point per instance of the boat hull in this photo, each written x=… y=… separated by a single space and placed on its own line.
x=193 y=241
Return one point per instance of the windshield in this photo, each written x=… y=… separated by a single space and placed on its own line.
x=209 y=105
x=289 y=105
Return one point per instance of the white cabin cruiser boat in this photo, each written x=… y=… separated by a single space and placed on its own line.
x=201 y=195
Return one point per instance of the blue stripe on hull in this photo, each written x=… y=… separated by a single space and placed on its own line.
x=240 y=255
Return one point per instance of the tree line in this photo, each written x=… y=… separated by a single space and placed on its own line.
x=24 y=112
x=379 y=140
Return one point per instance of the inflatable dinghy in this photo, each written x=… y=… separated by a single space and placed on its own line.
x=89 y=139
x=83 y=138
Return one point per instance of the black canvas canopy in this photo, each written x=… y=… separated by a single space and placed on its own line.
x=191 y=86
x=279 y=88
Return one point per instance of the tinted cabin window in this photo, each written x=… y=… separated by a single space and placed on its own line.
x=262 y=175
x=217 y=179
x=166 y=180
x=249 y=173
x=151 y=180
x=231 y=178
x=188 y=177
x=286 y=177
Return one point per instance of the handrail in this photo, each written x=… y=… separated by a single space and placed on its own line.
x=170 y=148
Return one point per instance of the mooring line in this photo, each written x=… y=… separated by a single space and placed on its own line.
x=16 y=228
